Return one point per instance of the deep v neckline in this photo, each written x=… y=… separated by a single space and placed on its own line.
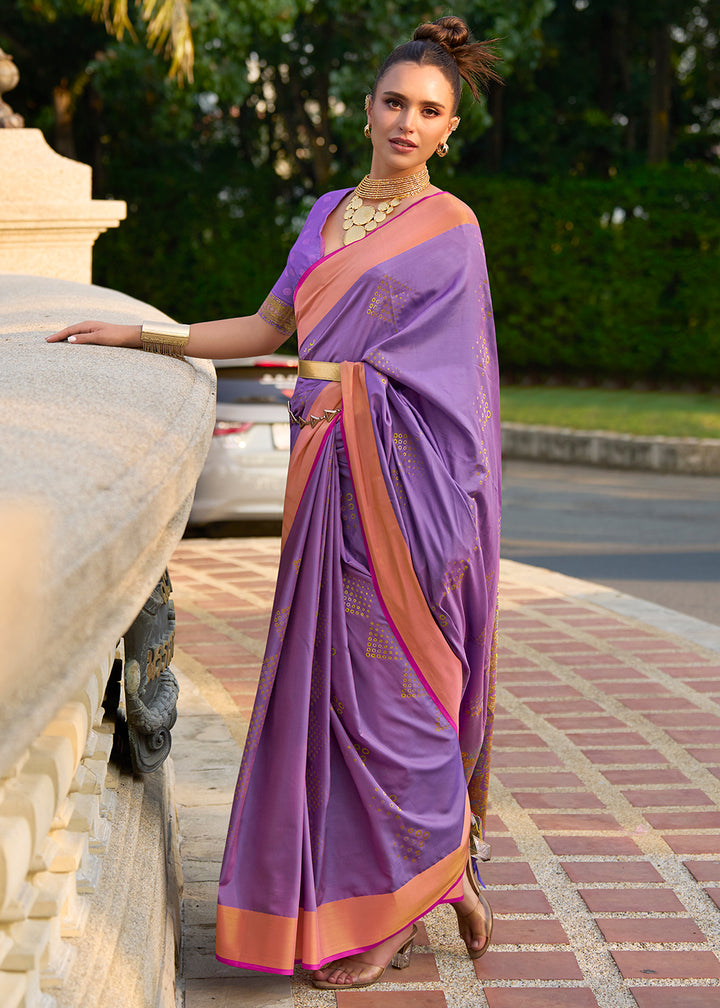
x=323 y=246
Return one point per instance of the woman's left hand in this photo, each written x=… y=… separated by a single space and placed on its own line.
x=101 y=333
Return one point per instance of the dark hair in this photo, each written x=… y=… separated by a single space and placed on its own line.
x=446 y=44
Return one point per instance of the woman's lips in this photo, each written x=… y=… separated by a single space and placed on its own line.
x=404 y=145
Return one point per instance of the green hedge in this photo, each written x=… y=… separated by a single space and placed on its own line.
x=200 y=241
x=574 y=293
x=577 y=294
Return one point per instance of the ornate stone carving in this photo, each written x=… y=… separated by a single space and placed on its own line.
x=151 y=689
x=9 y=78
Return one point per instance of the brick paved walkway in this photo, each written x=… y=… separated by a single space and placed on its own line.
x=605 y=799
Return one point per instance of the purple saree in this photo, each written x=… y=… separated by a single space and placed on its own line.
x=370 y=738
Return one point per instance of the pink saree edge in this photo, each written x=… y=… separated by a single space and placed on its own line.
x=329 y=255
x=251 y=966
x=406 y=650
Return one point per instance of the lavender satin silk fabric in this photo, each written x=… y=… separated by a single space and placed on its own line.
x=354 y=780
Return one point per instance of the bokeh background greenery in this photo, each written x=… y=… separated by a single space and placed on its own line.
x=594 y=172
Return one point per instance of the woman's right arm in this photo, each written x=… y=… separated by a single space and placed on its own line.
x=247 y=336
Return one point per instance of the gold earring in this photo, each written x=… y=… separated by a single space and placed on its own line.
x=442 y=149
x=367 y=102
x=367 y=131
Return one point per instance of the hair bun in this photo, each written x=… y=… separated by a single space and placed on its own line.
x=449 y=32
x=446 y=44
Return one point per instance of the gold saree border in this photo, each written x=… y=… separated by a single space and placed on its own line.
x=278 y=314
x=391 y=562
x=275 y=943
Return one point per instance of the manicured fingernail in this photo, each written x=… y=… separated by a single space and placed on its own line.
x=72 y=339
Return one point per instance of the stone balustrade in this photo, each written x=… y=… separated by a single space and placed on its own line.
x=100 y=449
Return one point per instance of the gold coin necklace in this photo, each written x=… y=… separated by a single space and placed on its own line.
x=361 y=219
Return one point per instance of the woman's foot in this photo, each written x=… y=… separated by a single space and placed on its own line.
x=366 y=968
x=475 y=919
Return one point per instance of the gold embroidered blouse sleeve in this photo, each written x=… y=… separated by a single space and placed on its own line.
x=276 y=313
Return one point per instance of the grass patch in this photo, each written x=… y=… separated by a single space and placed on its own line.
x=624 y=411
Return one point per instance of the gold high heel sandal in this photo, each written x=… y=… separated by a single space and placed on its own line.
x=487 y=911
x=400 y=960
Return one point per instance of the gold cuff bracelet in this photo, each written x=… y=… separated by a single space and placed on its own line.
x=167 y=338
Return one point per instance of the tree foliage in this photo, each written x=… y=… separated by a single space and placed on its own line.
x=604 y=279
x=168 y=29
x=617 y=86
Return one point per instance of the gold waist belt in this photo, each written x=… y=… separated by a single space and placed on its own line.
x=324 y=370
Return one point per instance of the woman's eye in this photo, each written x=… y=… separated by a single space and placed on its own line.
x=431 y=111
x=393 y=103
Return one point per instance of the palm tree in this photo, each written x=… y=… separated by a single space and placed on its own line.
x=168 y=28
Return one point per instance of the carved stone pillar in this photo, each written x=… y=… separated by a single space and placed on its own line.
x=48 y=221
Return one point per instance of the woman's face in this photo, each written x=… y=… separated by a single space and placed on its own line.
x=411 y=113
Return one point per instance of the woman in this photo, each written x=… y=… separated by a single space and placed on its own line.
x=367 y=756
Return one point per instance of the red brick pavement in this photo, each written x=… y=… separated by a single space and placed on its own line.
x=605 y=816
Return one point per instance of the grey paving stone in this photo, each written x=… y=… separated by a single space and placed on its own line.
x=210 y=787
x=201 y=891
x=200 y=939
x=199 y=964
x=201 y=871
x=208 y=848
x=198 y=822
x=239 y=992
x=197 y=728
x=195 y=758
x=198 y=913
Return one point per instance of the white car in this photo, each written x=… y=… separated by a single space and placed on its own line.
x=246 y=467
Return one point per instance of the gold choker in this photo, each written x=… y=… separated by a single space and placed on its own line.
x=361 y=219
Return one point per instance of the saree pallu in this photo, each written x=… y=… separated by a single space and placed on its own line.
x=369 y=743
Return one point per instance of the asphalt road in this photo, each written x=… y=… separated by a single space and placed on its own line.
x=651 y=535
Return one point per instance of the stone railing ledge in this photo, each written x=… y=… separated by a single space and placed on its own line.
x=100 y=451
